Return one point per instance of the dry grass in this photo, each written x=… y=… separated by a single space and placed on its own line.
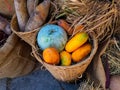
x=113 y=54
x=96 y=15
x=88 y=85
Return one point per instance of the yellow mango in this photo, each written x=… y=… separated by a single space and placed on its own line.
x=65 y=58
x=81 y=52
x=75 y=42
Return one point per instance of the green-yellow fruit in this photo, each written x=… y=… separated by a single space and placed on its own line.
x=65 y=58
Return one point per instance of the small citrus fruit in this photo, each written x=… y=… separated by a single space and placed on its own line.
x=51 y=55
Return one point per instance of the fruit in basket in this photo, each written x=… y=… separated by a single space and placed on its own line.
x=81 y=52
x=65 y=26
x=78 y=28
x=51 y=56
x=75 y=42
x=65 y=58
x=52 y=36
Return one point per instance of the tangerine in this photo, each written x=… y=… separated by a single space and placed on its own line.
x=51 y=55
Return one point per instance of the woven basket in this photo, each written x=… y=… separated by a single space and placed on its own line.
x=28 y=37
x=15 y=58
x=69 y=73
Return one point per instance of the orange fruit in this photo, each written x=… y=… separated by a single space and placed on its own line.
x=65 y=58
x=81 y=52
x=51 y=55
x=78 y=27
x=65 y=26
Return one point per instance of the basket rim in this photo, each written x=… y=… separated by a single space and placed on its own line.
x=14 y=18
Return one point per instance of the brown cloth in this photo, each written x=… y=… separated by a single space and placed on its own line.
x=15 y=58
